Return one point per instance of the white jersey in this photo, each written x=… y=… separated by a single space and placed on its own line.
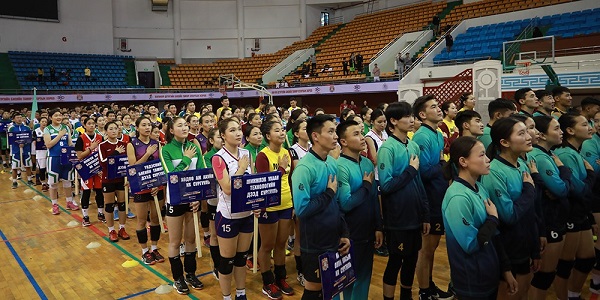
x=378 y=142
x=298 y=151
x=224 y=205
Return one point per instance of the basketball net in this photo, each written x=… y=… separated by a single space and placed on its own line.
x=523 y=68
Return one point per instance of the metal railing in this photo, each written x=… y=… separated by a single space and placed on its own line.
x=454 y=62
x=393 y=7
x=387 y=46
x=514 y=48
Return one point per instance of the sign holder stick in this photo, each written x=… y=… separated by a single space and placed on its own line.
x=197 y=233
x=255 y=246
x=160 y=219
x=127 y=196
x=21 y=158
x=76 y=183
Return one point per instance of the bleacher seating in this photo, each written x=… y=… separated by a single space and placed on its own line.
x=250 y=70
x=367 y=34
x=107 y=71
x=571 y=24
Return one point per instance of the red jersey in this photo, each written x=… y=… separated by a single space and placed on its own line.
x=107 y=149
x=162 y=139
x=84 y=141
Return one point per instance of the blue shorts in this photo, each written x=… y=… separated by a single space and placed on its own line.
x=230 y=228
x=16 y=162
x=57 y=171
x=270 y=217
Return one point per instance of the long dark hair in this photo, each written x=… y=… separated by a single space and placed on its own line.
x=501 y=130
x=567 y=120
x=211 y=135
x=137 y=125
x=168 y=135
x=293 y=118
x=296 y=129
x=461 y=147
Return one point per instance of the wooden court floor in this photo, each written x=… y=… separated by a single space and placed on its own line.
x=44 y=257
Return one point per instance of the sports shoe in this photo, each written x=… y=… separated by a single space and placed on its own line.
x=19 y=176
x=216 y=274
x=272 y=291
x=250 y=264
x=594 y=288
x=284 y=287
x=300 y=278
x=71 y=205
x=45 y=187
x=426 y=294
x=194 y=282
x=113 y=236
x=242 y=297
x=438 y=294
x=130 y=215
x=86 y=221
x=181 y=287
x=116 y=215
x=165 y=226
x=290 y=244
x=148 y=258
x=451 y=289
x=30 y=183
x=182 y=249
x=55 y=209
x=158 y=257
x=101 y=218
x=123 y=234
x=382 y=251
x=207 y=241
x=14 y=185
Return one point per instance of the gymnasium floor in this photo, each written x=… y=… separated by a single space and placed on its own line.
x=46 y=257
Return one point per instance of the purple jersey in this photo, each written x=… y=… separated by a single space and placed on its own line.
x=140 y=149
x=203 y=142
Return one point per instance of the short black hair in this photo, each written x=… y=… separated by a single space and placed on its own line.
x=224 y=97
x=520 y=94
x=342 y=127
x=500 y=105
x=397 y=111
x=419 y=104
x=465 y=116
x=559 y=90
x=589 y=101
x=315 y=124
x=541 y=94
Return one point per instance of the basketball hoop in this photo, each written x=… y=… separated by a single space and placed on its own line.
x=523 y=67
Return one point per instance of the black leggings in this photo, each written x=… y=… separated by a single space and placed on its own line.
x=85 y=198
x=403 y=264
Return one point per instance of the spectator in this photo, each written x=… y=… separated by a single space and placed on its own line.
x=40 y=74
x=345 y=66
x=407 y=61
x=449 y=42
x=343 y=106
x=52 y=73
x=436 y=24
x=88 y=73
x=352 y=106
x=359 y=62
x=376 y=73
x=399 y=66
x=352 y=62
x=537 y=32
x=313 y=62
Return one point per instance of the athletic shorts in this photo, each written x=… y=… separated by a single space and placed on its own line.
x=41 y=162
x=111 y=187
x=554 y=236
x=16 y=161
x=178 y=210
x=147 y=197
x=56 y=171
x=437 y=226
x=93 y=183
x=230 y=228
x=271 y=217
x=520 y=269
x=404 y=242
x=595 y=206
x=212 y=212
x=577 y=227
x=3 y=142
x=310 y=267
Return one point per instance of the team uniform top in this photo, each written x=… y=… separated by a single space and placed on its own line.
x=208 y=162
x=140 y=149
x=591 y=153
x=268 y=161
x=316 y=205
x=377 y=141
x=203 y=141
x=127 y=131
x=580 y=198
x=431 y=144
x=404 y=202
x=55 y=150
x=358 y=199
x=539 y=114
x=450 y=133
x=107 y=149
x=473 y=251
x=173 y=160
x=224 y=205
x=486 y=138
x=40 y=145
x=556 y=181
x=298 y=152
x=26 y=147
x=516 y=211
x=85 y=141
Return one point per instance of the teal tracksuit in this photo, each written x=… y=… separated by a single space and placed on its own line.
x=486 y=138
x=360 y=204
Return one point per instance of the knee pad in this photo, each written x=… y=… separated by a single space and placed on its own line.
x=226 y=265
x=121 y=206
x=66 y=184
x=154 y=232
x=563 y=268
x=142 y=236
x=542 y=280
x=204 y=219
x=584 y=265
x=407 y=273
x=109 y=207
x=390 y=275
x=85 y=199
x=99 y=197
x=240 y=259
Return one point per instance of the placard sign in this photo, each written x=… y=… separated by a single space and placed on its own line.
x=191 y=185
x=146 y=176
x=68 y=155
x=4 y=125
x=117 y=166
x=88 y=166
x=255 y=191
x=19 y=137
x=337 y=272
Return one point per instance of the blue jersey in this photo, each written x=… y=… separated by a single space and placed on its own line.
x=431 y=145
x=403 y=199
x=27 y=147
x=54 y=151
x=321 y=220
x=358 y=199
x=40 y=145
x=474 y=262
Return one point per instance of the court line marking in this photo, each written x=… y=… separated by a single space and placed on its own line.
x=19 y=200
x=38 y=234
x=152 y=289
x=34 y=283
x=103 y=236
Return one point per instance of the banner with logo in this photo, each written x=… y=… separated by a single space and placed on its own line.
x=192 y=185
x=117 y=166
x=89 y=166
x=255 y=191
x=146 y=176
x=19 y=138
x=337 y=272
x=68 y=155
